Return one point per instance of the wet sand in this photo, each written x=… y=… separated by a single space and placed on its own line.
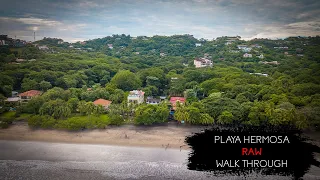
x=170 y=136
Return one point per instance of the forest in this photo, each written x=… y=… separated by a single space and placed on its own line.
x=73 y=75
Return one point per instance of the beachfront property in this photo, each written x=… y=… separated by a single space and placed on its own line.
x=202 y=62
x=26 y=96
x=103 y=102
x=174 y=100
x=136 y=97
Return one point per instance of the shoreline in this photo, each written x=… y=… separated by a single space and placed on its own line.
x=171 y=137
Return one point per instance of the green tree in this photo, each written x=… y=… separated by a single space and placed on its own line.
x=126 y=80
x=56 y=108
x=225 y=117
x=45 y=85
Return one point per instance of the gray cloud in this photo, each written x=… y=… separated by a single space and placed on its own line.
x=85 y=19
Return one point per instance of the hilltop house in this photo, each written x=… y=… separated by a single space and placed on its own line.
x=136 y=97
x=246 y=55
x=110 y=46
x=104 y=103
x=26 y=96
x=174 y=100
x=202 y=62
x=44 y=47
x=198 y=44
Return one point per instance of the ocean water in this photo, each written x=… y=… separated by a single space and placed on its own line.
x=46 y=161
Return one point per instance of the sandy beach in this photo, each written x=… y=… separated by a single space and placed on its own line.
x=170 y=136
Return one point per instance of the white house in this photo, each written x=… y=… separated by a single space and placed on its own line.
x=198 y=44
x=242 y=46
x=260 y=74
x=110 y=46
x=202 y=62
x=162 y=54
x=136 y=97
x=261 y=56
x=43 y=47
x=246 y=55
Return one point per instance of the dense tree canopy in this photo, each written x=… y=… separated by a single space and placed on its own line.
x=235 y=90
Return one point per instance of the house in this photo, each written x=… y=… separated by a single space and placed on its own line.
x=20 y=60
x=198 y=44
x=174 y=100
x=272 y=62
x=242 y=46
x=60 y=42
x=261 y=56
x=43 y=47
x=162 y=54
x=136 y=97
x=137 y=53
x=202 y=62
x=256 y=46
x=260 y=74
x=153 y=101
x=281 y=47
x=83 y=43
x=246 y=55
x=228 y=43
x=26 y=96
x=104 y=103
x=110 y=46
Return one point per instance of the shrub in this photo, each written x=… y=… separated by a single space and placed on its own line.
x=115 y=119
x=41 y=121
x=83 y=122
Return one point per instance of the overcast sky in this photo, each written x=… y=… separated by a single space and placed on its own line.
x=78 y=20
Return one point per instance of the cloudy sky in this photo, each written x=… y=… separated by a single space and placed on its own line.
x=78 y=20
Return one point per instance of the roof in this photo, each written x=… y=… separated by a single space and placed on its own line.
x=102 y=102
x=153 y=100
x=136 y=93
x=31 y=93
x=13 y=99
x=175 y=99
x=203 y=60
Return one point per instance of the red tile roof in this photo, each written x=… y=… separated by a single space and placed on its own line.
x=102 y=102
x=31 y=93
x=175 y=99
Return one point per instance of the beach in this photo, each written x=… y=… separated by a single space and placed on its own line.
x=168 y=136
